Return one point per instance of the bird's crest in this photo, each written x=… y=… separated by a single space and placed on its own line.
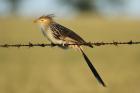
x=50 y=16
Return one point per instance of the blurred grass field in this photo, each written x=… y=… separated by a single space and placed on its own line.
x=53 y=70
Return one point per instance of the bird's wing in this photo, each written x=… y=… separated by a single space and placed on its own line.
x=63 y=33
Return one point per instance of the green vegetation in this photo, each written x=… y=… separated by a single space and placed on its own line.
x=53 y=70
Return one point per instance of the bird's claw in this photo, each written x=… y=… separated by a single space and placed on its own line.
x=64 y=44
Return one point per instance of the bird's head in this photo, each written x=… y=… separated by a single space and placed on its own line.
x=45 y=20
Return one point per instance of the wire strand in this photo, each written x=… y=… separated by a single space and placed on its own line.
x=116 y=43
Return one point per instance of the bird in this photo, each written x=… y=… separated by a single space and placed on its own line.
x=61 y=36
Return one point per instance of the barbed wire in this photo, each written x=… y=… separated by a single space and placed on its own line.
x=116 y=43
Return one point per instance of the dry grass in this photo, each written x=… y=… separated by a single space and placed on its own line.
x=53 y=70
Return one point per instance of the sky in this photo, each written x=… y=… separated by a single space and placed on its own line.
x=39 y=7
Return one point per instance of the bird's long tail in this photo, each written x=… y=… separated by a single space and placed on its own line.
x=92 y=68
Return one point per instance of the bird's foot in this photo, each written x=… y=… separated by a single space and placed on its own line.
x=64 y=44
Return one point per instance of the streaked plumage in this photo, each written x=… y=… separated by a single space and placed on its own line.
x=59 y=34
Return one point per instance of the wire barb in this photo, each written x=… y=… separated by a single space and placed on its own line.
x=91 y=43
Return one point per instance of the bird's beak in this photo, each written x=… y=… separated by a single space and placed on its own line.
x=35 y=21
